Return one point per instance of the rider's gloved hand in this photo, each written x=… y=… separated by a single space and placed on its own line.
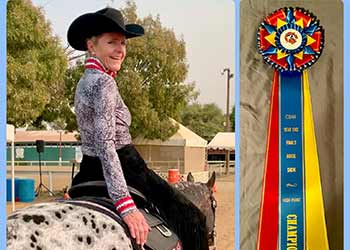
x=137 y=225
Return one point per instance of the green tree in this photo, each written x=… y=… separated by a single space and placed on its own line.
x=232 y=119
x=151 y=80
x=36 y=63
x=205 y=120
x=59 y=112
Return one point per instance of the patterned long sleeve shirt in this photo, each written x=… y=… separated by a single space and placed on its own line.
x=104 y=121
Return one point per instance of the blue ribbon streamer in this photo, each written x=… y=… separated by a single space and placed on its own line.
x=291 y=218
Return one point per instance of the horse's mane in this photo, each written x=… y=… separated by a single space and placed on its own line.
x=197 y=192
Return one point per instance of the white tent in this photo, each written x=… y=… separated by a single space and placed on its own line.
x=185 y=147
x=10 y=138
x=223 y=141
x=183 y=137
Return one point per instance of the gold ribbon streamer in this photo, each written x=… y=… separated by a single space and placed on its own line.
x=316 y=231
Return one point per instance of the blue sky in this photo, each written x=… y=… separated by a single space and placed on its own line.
x=206 y=25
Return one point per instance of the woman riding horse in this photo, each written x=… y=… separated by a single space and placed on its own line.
x=104 y=120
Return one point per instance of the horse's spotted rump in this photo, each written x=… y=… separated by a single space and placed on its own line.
x=37 y=219
x=57 y=226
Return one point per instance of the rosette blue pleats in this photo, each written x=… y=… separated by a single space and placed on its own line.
x=309 y=51
x=311 y=29
x=290 y=17
x=270 y=51
x=269 y=28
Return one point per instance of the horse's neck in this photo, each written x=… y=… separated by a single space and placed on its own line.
x=200 y=195
x=196 y=192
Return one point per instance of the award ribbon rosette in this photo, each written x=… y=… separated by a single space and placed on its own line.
x=291 y=210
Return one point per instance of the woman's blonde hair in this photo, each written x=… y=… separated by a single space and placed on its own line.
x=94 y=40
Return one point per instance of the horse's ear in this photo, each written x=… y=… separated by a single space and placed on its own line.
x=211 y=181
x=190 y=177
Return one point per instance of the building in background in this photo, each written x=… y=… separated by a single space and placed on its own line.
x=222 y=143
x=185 y=151
x=61 y=148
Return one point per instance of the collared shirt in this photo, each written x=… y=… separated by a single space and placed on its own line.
x=104 y=120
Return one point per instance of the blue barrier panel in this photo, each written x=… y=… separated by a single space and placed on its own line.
x=26 y=190
x=9 y=189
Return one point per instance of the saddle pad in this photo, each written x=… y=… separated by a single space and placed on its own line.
x=159 y=238
x=104 y=206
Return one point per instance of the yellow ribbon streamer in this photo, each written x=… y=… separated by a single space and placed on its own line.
x=316 y=231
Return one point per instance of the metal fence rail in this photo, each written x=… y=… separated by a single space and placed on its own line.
x=65 y=168
x=219 y=167
x=164 y=165
x=43 y=163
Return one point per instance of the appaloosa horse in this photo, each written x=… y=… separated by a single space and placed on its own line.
x=67 y=225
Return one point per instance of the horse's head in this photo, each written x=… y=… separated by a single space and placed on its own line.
x=201 y=195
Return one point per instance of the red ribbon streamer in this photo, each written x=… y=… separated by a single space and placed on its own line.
x=268 y=220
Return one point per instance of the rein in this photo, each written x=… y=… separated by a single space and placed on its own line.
x=212 y=234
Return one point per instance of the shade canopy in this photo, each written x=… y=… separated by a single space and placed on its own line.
x=223 y=141
x=10 y=133
x=182 y=137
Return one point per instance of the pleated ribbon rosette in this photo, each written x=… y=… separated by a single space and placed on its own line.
x=291 y=209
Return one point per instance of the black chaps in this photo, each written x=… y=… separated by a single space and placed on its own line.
x=187 y=221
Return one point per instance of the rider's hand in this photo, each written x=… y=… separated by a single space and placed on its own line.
x=138 y=226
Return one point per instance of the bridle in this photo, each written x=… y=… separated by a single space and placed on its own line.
x=212 y=234
x=213 y=205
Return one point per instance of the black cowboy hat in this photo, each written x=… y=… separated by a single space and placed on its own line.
x=101 y=21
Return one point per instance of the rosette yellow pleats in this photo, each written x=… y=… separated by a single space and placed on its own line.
x=316 y=231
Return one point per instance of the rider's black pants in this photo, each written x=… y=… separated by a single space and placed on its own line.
x=182 y=216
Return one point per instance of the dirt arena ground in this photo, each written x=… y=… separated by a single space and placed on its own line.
x=225 y=212
x=224 y=217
